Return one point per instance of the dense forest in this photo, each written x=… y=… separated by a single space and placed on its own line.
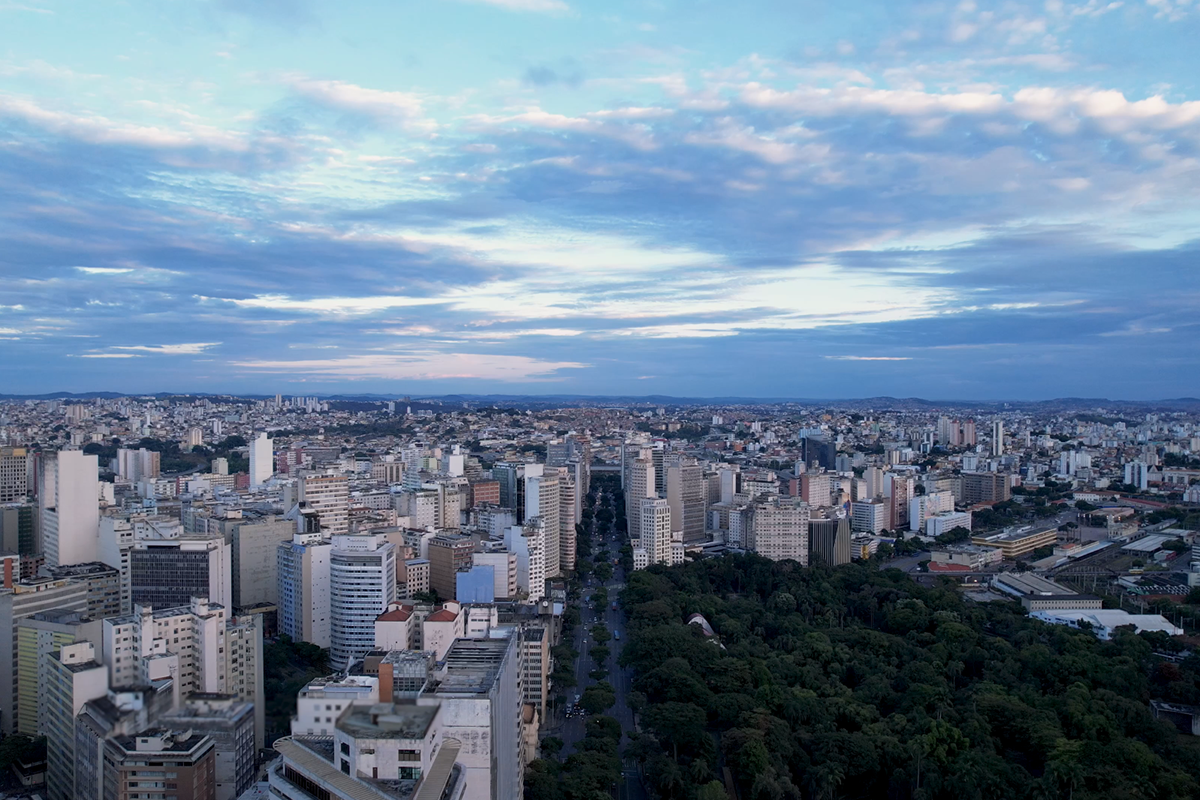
x=859 y=683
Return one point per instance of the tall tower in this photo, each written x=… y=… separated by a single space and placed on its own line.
x=70 y=504
x=640 y=487
x=262 y=461
x=998 y=438
x=362 y=581
x=543 y=501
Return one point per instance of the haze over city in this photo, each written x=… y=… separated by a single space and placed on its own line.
x=971 y=200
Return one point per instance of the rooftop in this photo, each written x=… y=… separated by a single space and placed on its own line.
x=471 y=666
x=388 y=721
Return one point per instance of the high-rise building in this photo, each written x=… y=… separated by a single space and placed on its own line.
x=779 y=530
x=639 y=486
x=448 y=555
x=14 y=474
x=262 y=460
x=71 y=677
x=686 y=496
x=19 y=601
x=362 y=582
x=870 y=516
x=528 y=543
x=480 y=694
x=190 y=757
x=229 y=722
x=998 y=438
x=542 y=499
x=816 y=488
x=122 y=712
x=985 y=487
x=254 y=559
x=329 y=497
x=167 y=573
x=18 y=533
x=244 y=669
x=656 y=545
x=829 y=541
x=38 y=637
x=303 y=588
x=569 y=514
x=70 y=507
x=923 y=506
x=138 y=465
x=819 y=451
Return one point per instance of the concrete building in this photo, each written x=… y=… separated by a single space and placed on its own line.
x=138 y=465
x=167 y=573
x=254 y=559
x=1042 y=594
x=985 y=487
x=479 y=689
x=638 y=486
x=18 y=532
x=535 y=667
x=779 y=530
x=687 y=497
x=19 y=601
x=448 y=555
x=70 y=507
x=329 y=497
x=322 y=700
x=938 y=524
x=38 y=637
x=362 y=583
x=476 y=585
x=816 y=488
x=303 y=588
x=440 y=629
x=926 y=505
x=383 y=751
x=229 y=722
x=829 y=541
x=528 y=543
x=103 y=585
x=997 y=438
x=121 y=712
x=869 y=516
x=71 y=677
x=244 y=668
x=262 y=460
x=14 y=474
x=1014 y=544
x=504 y=572
x=416 y=577
x=658 y=543
x=190 y=756
x=185 y=644
x=542 y=500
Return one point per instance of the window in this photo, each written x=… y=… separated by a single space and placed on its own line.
x=345 y=766
x=345 y=749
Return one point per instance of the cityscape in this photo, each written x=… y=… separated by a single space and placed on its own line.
x=301 y=596
x=580 y=400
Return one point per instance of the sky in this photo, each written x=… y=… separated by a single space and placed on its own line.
x=688 y=197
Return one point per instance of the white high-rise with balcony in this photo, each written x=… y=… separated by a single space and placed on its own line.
x=362 y=582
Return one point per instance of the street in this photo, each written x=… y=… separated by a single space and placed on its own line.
x=572 y=730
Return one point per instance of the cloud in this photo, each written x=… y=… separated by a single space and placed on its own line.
x=190 y=349
x=567 y=72
x=419 y=366
x=402 y=108
x=867 y=358
x=331 y=305
x=108 y=355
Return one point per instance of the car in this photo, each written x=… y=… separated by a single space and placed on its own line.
x=617 y=635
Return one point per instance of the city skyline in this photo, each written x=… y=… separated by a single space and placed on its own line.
x=972 y=200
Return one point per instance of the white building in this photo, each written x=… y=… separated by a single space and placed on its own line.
x=321 y=702
x=779 y=530
x=870 y=516
x=262 y=460
x=303 y=575
x=947 y=521
x=70 y=507
x=71 y=677
x=658 y=543
x=329 y=497
x=528 y=543
x=542 y=501
x=504 y=572
x=362 y=582
x=923 y=506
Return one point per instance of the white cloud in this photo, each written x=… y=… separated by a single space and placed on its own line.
x=105 y=270
x=868 y=358
x=403 y=107
x=343 y=306
x=188 y=349
x=109 y=355
x=418 y=366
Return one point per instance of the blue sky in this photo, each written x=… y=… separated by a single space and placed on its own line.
x=951 y=200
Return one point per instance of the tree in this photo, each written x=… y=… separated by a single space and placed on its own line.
x=713 y=790
x=552 y=746
x=598 y=698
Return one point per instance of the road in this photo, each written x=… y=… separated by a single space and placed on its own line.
x=572 y=730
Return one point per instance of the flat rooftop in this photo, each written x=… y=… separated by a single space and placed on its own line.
x=1026 y=583
x=388 y=721
x=471 y=666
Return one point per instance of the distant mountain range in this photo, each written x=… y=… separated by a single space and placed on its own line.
x=1063 y=404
